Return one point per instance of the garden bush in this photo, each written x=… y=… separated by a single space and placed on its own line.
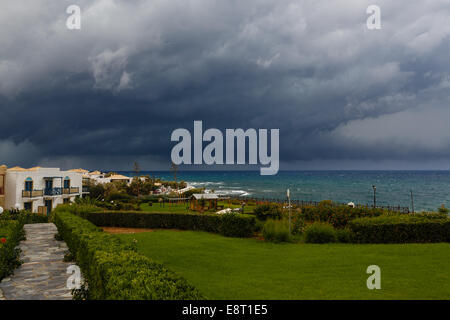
x=276 y=231
x=236 y=225
x=297 y=222
x=338 y=216
x=325 y=203
x=119 y=196
x=344 y=235
x=320 y=232
x=76 y=209
x=231 y=225
x=113 y=269
x=443 y=209
x=268 y=211
x=402 y=228
x=24 y=216
x=11 y=232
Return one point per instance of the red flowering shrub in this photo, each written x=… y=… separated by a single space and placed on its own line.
x=11 y=232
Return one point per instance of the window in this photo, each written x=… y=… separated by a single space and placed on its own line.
x=66 y=200
x=67 y=183
x=29 y=184
x=28 y=206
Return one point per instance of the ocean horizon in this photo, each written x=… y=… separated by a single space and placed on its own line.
x=430 y=188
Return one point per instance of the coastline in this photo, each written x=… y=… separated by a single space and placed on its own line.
x=393 y=187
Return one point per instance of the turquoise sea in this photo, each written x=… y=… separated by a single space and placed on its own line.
x=430 y=188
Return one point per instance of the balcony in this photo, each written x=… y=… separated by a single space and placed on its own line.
x=71 y=190
x=53 y=191
x=32 y=193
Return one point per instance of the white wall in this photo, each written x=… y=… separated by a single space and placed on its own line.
x=15 y=184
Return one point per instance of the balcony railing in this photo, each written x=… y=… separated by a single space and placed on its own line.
x=32 y=193
x=71 y=190
x=53 y=191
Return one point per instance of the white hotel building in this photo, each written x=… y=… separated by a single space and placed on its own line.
x=39 y=189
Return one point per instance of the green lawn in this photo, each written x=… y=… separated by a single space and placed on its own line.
x=183 y=207
x=231 y=268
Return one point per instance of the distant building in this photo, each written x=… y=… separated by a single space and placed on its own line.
x=203 y=201
x=113 y=178
x=38 y=189
x=82 y=171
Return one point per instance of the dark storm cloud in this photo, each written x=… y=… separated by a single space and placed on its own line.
x=112 y=92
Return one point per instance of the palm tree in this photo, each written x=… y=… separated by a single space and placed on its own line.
x=174 y=168
x=136 y=171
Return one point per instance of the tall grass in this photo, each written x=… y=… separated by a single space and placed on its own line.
x=276 y=231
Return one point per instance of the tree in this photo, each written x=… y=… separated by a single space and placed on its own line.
x=137 y=169
x=136 y=187
x=97 y=190
x=174 y=168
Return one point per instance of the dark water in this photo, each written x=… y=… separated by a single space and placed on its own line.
x=430 y=188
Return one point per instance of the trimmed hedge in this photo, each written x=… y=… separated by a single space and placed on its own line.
x=230 y=224
x=25 y=217
x=11 y=232
x=113 y=269
x=338 y=216
x=401 y=229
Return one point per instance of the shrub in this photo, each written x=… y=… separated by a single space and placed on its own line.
x=96 y=190
x=276 y=231
x=11 y=232
x=443 y=209
x=325 y=203
x=320 y=232
x=113 y=269
x=236 y=225
x=119 y=196
x=344 y=235
x=76 y=209
x=24 y=217
x=402 y=228
x=230 y=225
x=338 y=216
x=268 y=211
x=297 y=222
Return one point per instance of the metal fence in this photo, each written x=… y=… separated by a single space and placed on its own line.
x=308 y=203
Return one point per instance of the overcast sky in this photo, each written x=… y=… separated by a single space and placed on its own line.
x=343 y=96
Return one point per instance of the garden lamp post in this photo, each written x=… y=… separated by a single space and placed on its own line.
x=374 y=196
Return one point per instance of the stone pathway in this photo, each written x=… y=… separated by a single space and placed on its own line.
x=42 y=276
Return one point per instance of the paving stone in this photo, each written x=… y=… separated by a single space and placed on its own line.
x=43 y=274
